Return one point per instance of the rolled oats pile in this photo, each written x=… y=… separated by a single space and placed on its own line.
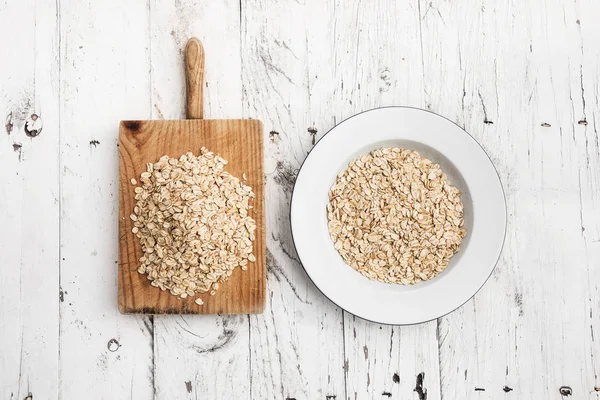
x=191 y=218
x=394 y=216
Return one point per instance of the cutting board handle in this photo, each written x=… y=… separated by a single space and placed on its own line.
x=194 y=72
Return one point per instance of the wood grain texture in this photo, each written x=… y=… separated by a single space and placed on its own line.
x=104 y=78
x=522 y=77
x=297 y=345
x=238 y=141
x=194 y=67
x=190 y=348
x=29 y=201
x=363 y=67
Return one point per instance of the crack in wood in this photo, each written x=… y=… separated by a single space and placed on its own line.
x=278 y=273
x=226 y=337
x=312 y=131
x=419 y=387
x=149 y=325
x=291 y=254
x=582 y=90
x=159 y=113
x=277 y=349
x=284 y=45
x=485 y=115
x=267 y=60
x=18 y=148
x=8 y=125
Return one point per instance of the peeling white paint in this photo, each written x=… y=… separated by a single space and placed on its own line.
x=521 y=77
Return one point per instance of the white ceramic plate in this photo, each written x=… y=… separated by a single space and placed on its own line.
x=468 y=168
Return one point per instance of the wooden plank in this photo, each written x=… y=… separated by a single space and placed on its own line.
x=238 y=141
x=104 y=79
x=588 y=152
x=199 y=357
x=478 y=342
x=297 y=347
x=363 y=57
x=512 y=77
x=29 y=209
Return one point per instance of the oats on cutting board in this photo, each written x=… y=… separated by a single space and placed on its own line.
x=191 y=218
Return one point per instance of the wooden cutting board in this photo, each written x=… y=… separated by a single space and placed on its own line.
x=238 y=141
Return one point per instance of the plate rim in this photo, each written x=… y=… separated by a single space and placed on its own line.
x=503 y=198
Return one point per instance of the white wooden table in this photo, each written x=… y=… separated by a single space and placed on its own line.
x=523 y=77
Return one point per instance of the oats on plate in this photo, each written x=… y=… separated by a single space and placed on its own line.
x=394 y=216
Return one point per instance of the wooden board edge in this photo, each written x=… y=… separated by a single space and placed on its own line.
x=263 y=301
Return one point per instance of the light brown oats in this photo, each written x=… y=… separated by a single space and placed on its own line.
x=191 y=218
x=394 y=216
